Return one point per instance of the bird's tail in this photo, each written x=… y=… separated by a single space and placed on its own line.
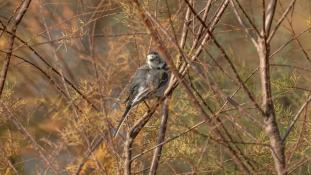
x=123 y=118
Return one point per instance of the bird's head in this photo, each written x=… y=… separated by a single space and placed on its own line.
x=154 y=61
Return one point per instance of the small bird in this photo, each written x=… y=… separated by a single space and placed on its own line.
x=149 y=81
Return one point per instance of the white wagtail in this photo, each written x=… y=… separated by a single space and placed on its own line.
x=149 y=81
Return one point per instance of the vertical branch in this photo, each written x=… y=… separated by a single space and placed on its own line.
x=269 y=16
x=163 y=125
x=132 y=134
x=185 y=28
x=271 y=128
x=161 y=137
x=184 y=32
x=12 y=28
x=128 y=154
x=154 y=33
x=6 y=64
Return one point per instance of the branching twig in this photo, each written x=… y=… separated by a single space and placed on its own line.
x=289 y=8
x=11 y=117
x=269 y=16
x=289 y=41
x=252 y=98
x=132 y=134
x=12 y=28
x=53 y=69
x=239 y=18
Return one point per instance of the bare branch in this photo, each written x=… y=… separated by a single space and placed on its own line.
x=278 y=24
x=271 y=128
x=12 y=28
x=252 y=98
x=53 y=69
x=289 y=41
x=132 y=134
x=161 y=137
x=11 y=117
x=296 y=117
x=269 y=16
x=175 y=72
x=247 y=30
x=12 y=166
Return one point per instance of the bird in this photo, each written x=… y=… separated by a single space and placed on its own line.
x=149 y=81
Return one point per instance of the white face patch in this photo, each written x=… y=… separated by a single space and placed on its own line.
x=156 y=61
x=150 y=56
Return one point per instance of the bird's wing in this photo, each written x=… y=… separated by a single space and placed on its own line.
x=143 y=92
x=164 y=78
x=138 y=80
x=136 y=92
x=157 y=81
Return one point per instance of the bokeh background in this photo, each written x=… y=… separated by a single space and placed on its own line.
x=97 y=45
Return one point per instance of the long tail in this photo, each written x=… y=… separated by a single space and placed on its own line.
x=124 y=116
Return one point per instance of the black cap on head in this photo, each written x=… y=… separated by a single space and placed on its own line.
x=153 y=53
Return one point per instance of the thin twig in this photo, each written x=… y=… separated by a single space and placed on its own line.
x=11 y=117
x=252 y=98
x=289 y=129
x=246 y=29
x=269 y=16
x=289 y=41
x=278 y=24
x=175 y=72
x=12 y=27
x=54 y=70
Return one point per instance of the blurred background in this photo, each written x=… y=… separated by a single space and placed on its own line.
x=65 y=48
